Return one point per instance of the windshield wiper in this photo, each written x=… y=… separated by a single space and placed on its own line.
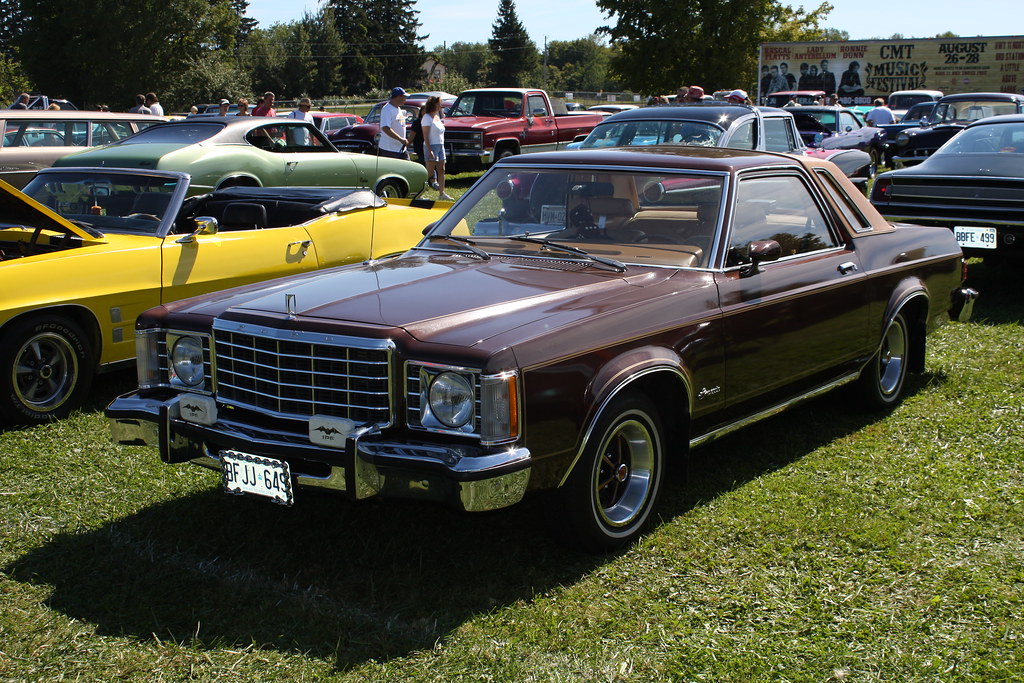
x=470 y=244
x=88 y=227
x=612 y=263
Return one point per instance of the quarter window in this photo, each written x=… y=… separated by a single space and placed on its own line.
x=743 y=136
x=778 y=135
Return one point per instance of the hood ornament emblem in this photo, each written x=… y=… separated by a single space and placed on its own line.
x=289 y=305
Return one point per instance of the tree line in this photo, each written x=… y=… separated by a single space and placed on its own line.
x=96 y=52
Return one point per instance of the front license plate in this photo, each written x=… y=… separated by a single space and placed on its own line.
x=974 y=237
x=244 y=473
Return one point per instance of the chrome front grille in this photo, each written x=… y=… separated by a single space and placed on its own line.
x=298 y=374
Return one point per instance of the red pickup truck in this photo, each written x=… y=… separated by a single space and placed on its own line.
x=487 y=124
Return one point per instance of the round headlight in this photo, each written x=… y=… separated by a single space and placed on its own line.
x=187 y=360
x=451 y=399
x=902 y=139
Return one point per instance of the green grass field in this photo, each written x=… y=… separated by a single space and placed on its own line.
x=821 y=545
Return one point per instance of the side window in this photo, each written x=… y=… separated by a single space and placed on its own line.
x=853 y=215
x=778 y=135
x=779 y=208
x=538 y=107
x=848 y=120
x=743 y=136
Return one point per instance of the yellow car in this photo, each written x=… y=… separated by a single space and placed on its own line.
x=83 y=251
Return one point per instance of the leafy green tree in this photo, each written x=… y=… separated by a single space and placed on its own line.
x=515 y=55
x=580 y=64
x=11 y=23
x=663 y=44
x=469 y=60
x=109 y=50
x=381 y=43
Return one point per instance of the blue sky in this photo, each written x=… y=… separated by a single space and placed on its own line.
x=449 y=21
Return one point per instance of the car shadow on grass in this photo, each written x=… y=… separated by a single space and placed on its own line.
x=999 y=301
x=353 y=582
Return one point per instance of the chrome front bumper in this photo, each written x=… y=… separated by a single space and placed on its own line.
x=470 y=477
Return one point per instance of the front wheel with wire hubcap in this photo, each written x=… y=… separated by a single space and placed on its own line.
x=882 y=380
x=46 y=369
x=608 y=498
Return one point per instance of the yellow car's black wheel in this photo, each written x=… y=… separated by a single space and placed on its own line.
x=47 y=368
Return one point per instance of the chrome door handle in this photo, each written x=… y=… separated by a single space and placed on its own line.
x=300 y=243
x=846 y=268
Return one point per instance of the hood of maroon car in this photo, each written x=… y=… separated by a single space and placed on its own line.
x=443 y=299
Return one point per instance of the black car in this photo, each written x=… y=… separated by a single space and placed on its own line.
x=829 y=127
x=974 y=185
x=918 y=115
x=952 y=114
x=720 y=124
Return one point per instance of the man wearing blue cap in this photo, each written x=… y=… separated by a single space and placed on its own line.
x=393 y=142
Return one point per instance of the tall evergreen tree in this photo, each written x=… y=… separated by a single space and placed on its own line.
x=515 y=55
x=381 y=43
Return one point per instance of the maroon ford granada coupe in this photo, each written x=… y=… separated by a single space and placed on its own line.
x=574 y=322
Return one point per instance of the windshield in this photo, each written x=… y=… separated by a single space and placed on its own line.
x=908 y=101
x=109 y=202
x=488 y=104
x=919 y=112
x=633 y=217
x=965 y=111
x=641 y=133
x=175 y=133
x=825 y=120
x=1005 y=138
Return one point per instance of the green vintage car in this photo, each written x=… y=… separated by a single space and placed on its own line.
x=243 y=150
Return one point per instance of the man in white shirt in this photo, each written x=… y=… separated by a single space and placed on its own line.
x=302 y=113
x=154 y=105
x=881 y=115
x=393 y=140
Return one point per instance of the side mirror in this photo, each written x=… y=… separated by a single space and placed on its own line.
x=204 y=225
x=849 y=128
x=761 y=251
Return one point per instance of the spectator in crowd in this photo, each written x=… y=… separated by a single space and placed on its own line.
x=193 y=109
x=792 y=103
x=266 y=106
x=154 y=105
x=738 y=97
x=694 y=93
x=827 y=79
x=302 y=111
x=881 y=115
x=393 y=140
x=21 y=102
x=243 y=107
x=54 y=106
x=224 y=106
x=140 y=106
x=416 y=136
x=433 y=134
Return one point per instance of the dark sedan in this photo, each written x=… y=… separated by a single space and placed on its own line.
x=952 y=114
x=576 y=322
x=973 y=185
